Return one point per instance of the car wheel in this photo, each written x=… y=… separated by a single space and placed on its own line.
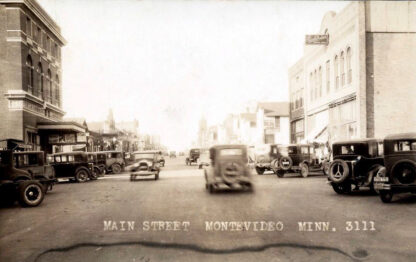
x=116 y=168
x=259 y=170
x=325 y=167
x=31 y=193
x=304 y=170
x=386 y=196
x=211 y=189
x=94 y=174
x=280 y=173
x=81 y=175
x=338 y=171
x=343 y=188
x=157 y=176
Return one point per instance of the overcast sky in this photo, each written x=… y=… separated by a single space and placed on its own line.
x=167 y=63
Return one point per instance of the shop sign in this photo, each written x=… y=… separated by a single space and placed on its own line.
x=316 y=39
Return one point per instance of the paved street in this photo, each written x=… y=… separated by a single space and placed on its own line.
x=69 y=224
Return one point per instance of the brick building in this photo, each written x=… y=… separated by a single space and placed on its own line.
x=30 y=73
x=361 y=83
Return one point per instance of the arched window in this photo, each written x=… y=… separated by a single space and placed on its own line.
x=57 y=88
x=39 y=92
x=349 y=71
x=29 y=68
x=327 y=75
x=310 y=87
x=315 y=85
x=49 y=88
x=336 y=72
x=342 y=69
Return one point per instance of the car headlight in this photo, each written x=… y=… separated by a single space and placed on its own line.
x=358 y=158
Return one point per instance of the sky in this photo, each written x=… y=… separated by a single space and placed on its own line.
x=169 y=63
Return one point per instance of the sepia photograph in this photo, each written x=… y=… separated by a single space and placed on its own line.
x=207 y=130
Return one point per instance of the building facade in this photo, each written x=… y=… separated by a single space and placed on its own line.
x=272 y=123
x=30 y=72
x=296 y=98
x=362 y=83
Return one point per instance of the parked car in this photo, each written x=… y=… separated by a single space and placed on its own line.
x=114 y=161
x=19 y=184
x=99 y=160
x=299 y=158
x=146 y=164
x=228 y=167
x=34 y=163
x=172 y=154
x=265 y=161
x=399 y=172
x=193 y=156
x=73 y=165
x=355 y=162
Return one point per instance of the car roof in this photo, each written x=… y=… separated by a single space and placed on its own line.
x=219 y=147
x=357 y=141
x=69 y=153
x=410 y=135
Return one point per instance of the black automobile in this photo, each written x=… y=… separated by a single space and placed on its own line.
x=99 y=160
x=19 y=184
x=34 y=163
x=266 y=162
x=298 y=158
x=399 y=173
x=228 y=168
x=355 y=162
x=193 y=156
x=146 y=163
x=73 y=165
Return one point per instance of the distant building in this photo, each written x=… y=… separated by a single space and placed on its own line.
x=272 y=123
x=30 y=77
x=362 y=83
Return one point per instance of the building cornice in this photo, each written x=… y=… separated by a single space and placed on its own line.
x=40 y=13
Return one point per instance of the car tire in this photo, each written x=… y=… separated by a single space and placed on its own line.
x=94 y=174
x=157 y=176
x=285 y=167
x=116 y=168
x=211 y=189
x=342 y=188
x=304 y=170
x=31 y=193
x=260 y=170
x=81 y=175
x=386 y=196
x=338 y=171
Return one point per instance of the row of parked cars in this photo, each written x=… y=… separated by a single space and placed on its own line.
x=386 y=166
x=27 y=176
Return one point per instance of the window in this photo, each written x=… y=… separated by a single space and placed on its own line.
x=29 y=68
x=304 y=150
x=315 y=85
x=277 y=123
x=57 y=159
x=28 y=27
x=39 y=36
x=405 y=146
x=320 y=81
x=336 y=72
x=349 y=71
x=341 y=67
x=328 y=77
x=310 y=87
x=48 y=44
x=39 y=92
x=70 y=158
x=64 y=158
x=50 y=87
x=57 y=89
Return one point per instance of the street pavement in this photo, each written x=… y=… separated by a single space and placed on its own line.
x=93 y=221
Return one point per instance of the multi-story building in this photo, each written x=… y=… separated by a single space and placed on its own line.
x=272 y=123
x=296 y=97
x=361 y=83
x=30 y=74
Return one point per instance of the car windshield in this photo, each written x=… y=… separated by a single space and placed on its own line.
x=144 y=156
x=231 y=152
x=351 y=149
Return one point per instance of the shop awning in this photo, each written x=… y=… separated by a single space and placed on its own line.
x=318 y=134
x=62 y=127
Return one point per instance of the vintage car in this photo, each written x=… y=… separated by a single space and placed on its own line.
x=73 y=165
x=296 y=158
x=399 y=172
x=146 y=163
x=99 y=160
x=228 y=167
x=265 y=161
x=355 y=162
x=172 y=154
x=193 y=156
x=34 y=163
x=114 y=161
x=19 y=184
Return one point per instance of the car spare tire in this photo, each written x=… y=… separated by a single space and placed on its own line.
x=230 y=171
x=338 y=171
x=285 y=162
